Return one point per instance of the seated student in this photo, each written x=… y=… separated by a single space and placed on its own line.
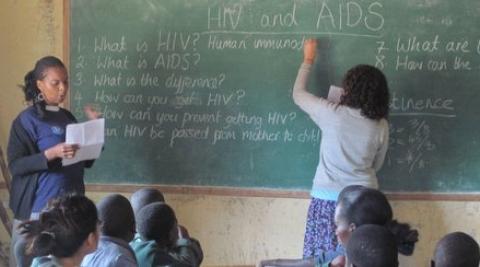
x=372 y=245
x=356 y=206
x=117 y=229
x=145 y=196
x=326 y=256
x=65 y=232
x=456 y=250
x=157 y=227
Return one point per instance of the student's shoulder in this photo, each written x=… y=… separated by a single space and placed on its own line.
x=149 y=253
x=115 y=247
x=325 y=257
x=164 y=259
x=45 y=261
x=144 y=247
x=124 y=260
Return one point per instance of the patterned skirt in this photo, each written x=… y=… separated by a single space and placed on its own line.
x=320 y=228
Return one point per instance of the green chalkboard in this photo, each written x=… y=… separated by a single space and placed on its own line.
x=198 y=92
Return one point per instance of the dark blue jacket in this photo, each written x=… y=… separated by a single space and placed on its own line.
x=25 y=162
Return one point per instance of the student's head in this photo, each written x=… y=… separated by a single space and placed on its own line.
x=358 y=207
x=116 y=215
x=145 y=196
x=157 y=222
x=456 y=249
x=66 y=228
x=370 y=206
x=366 y=88
x=349 y=191
x=47 y=83
x=372 y=246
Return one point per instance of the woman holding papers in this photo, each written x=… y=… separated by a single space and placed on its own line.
x=353 y=146
x=37 y=145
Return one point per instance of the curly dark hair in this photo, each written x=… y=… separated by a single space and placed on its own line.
x=366 y=88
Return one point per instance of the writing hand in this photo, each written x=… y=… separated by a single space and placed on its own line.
x=309 y=51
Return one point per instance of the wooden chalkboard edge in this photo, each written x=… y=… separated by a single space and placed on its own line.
x=269 y=193
x=273 y=193
x=433 y=196
x=200 y=190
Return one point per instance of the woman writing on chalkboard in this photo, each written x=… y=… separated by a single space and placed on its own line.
x=37 y=146
x=353 y=145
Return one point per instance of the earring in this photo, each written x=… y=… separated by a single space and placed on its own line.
x=40 y=97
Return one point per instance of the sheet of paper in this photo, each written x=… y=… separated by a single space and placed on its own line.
x=90 y=137
x=335 y=93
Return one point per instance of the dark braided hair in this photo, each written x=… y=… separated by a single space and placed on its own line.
x=30 y=89
x=62 y=227
x=366 y=88
x=370 y=206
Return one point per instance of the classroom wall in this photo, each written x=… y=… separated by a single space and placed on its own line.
x=232 y=230
x=28 y=30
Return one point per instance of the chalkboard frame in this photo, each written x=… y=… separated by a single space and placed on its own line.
x=233 y=191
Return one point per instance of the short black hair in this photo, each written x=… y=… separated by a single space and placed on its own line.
x=457 y=249
x=145 y=196
x=155 y=222
x=372 y=246
x=116 y=215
